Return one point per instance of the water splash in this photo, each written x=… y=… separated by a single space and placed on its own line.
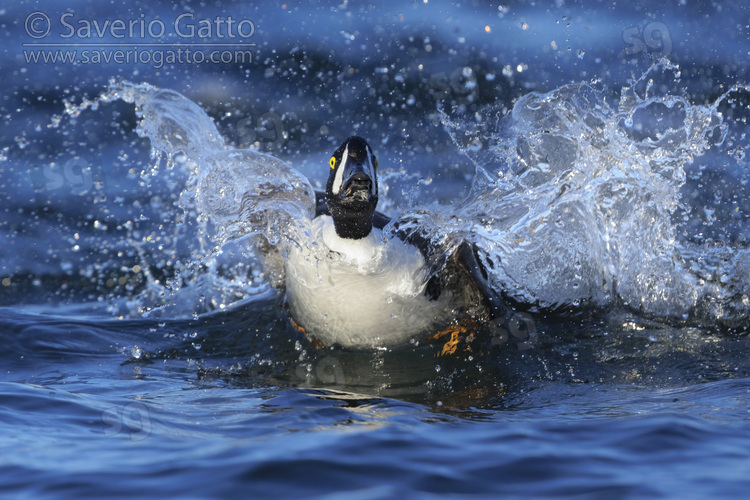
x=578 y=199
x=575 y=198
x=225 y=195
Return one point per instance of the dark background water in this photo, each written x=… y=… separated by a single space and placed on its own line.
x=236 y=403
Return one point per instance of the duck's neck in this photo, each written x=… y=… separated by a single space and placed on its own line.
x=353 y=228
x=352 y=219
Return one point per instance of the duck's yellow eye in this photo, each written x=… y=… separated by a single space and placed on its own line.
x=374 y=161
x=333 y=162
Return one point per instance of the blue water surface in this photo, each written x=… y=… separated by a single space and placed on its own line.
x=219 y=396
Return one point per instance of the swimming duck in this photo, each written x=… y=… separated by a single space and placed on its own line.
x=357 y=286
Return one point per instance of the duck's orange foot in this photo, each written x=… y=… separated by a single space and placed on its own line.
x=315 y=341
x=462 y=331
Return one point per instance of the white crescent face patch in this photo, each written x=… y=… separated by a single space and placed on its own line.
x=339 y=177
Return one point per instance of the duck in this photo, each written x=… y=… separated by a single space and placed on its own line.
x=357 y=286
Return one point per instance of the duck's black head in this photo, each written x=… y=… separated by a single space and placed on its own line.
x=352 y=189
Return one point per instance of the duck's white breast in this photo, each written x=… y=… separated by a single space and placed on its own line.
x=360 y=293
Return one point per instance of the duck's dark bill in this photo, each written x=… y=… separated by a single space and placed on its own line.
x=358 y=187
